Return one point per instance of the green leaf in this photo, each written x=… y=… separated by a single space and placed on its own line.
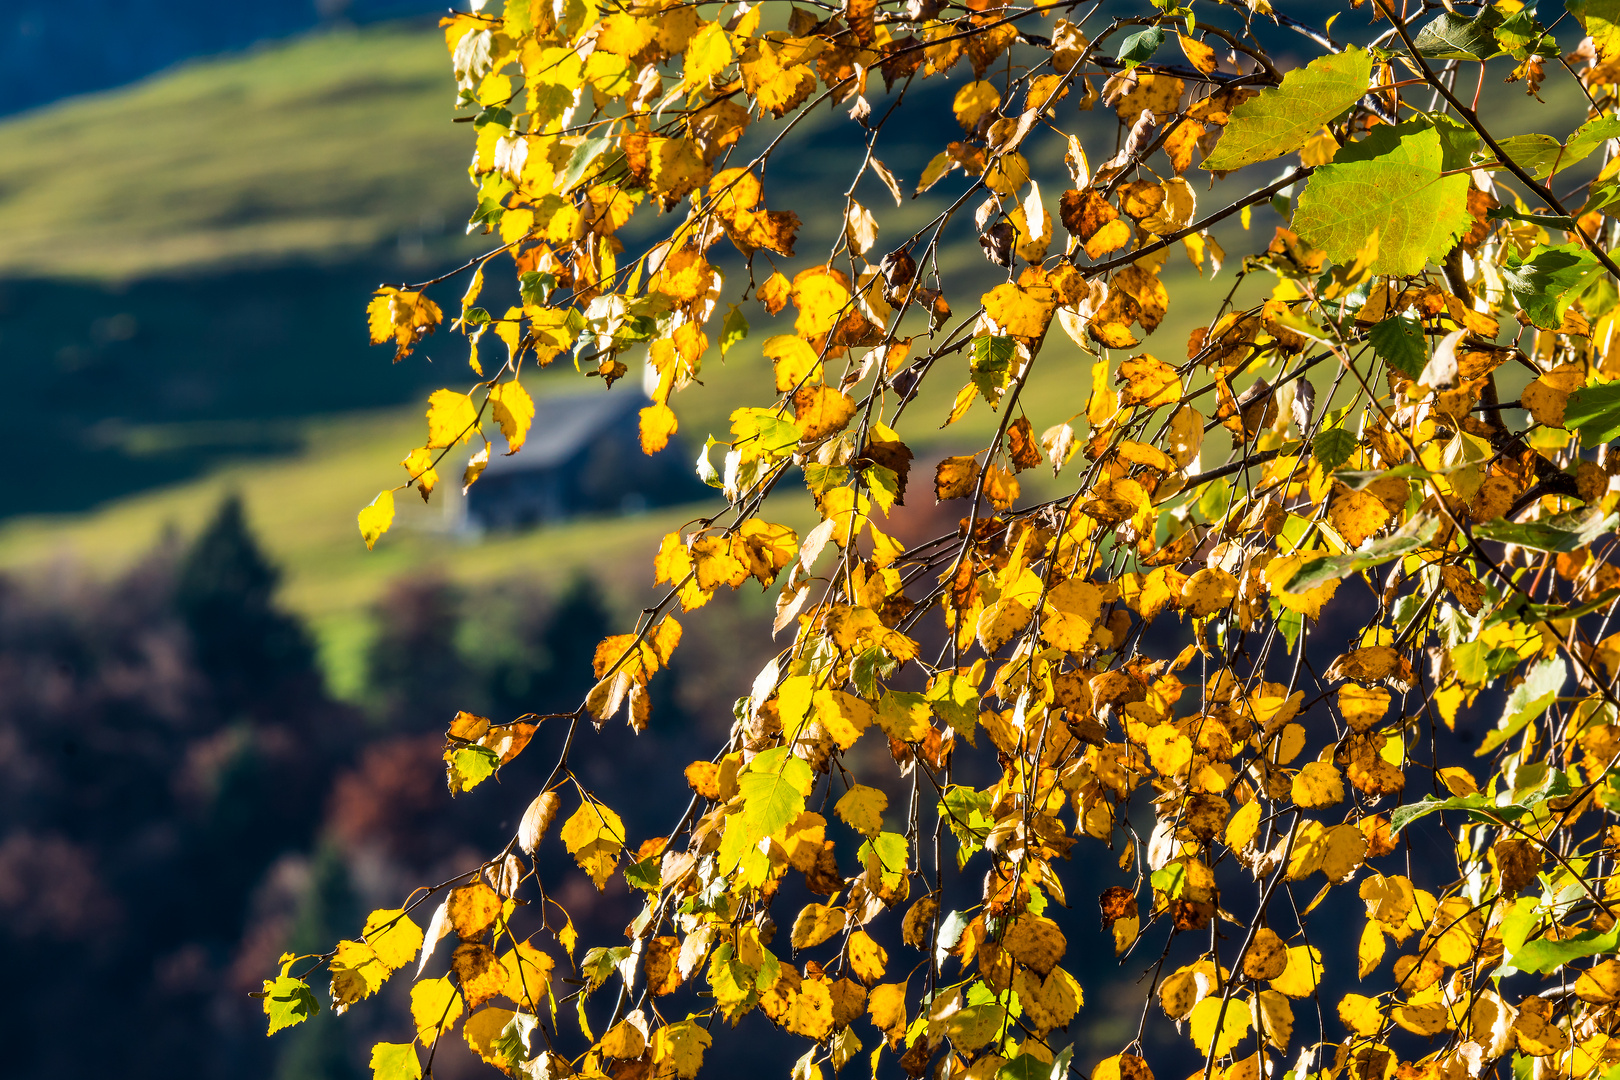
x=288 y=1001
x=1589 y=137
x=534 y=286
x=1399 y=343
x=1027 y=1066
x=772 y=790
x=1562 y=533
x=1278 y=121
x=1535 y=154
x=599 y=964
x=1546 y=284
x=1479 y=806
x=955 y=700
x=644 y=874
x=1412 y=536
x=762 y=433
x=1401 y=195
x=585 y=154
x=471 y=766
x=513 y=1043
x=1333 y=447
x=395 y=1061
x=1452 y=37
x=1140 y=47
x=887 y=854
x=1594 y=411
x=1544 y=954
x=1601 y=21
x=1528 y=701
x=1523 y=36
x=967 y=811
x=734 y=330
x=991 y=364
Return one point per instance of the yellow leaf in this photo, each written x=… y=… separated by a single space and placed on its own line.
x=860 y=228
x=861 y=808
x=657 y=425
x=1281 y=570
x=1053 y=1002
x=1208 y=591
x=887 y=1006
x=376 y=518
x=419 y=466
x=1363 y=706
x=392 y=936
x=435 y=1007
x=1344 y=848
x=1356 y=515
x=795 y=361
x=815 y=924
x=1243 y=826
x=1149 y=382
x=1304 y=971
x=528 y=975
x=974 y=101
x=483 y=1033
x=473 y=909
x=514 y=412
x=594 y=836
x=1360 y=1014
x=401 y=317
x=451 y=418
x=955 y=477
x=867 y=959
x=1198 y=54
x=1036 y=941
x=478 y=972
x=1267 y=956
x=844 y=715
x=1072 y=610
x=623 y=1040
x=1318 y=785
x=707 y=55
x=810 y=1012
x=679 y=1048
x=1022 y=313
x=1430 y=1020
x=821 y=294
x=1232 y=1017
x=821 y=411
x=1272 y=1014
x=357 y=973
x=1370 y=950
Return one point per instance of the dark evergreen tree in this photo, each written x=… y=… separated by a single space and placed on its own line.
x=252 y=652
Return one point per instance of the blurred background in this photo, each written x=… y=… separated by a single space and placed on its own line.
x=221 y=717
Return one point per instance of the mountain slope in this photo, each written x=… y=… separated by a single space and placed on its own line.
x=319 y=148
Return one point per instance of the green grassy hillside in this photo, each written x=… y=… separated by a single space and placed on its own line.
x=320 y=148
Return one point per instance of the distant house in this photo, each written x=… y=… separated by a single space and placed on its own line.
x=582 y=458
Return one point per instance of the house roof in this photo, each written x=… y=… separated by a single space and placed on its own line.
x=565 y=424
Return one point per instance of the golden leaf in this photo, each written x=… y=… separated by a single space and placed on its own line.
x=867 y=959
x=658 y=423
x=817 y=923
x=514 y=412
x=376 y=518
x=861 y=808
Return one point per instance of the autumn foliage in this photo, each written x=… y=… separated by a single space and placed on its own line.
x=1317 y=584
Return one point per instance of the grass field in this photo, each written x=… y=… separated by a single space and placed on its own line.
x=320 y=148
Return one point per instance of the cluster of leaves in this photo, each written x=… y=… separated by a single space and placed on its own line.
x=1131 y=659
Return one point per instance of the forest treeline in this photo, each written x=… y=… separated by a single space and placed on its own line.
x=181 y=799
